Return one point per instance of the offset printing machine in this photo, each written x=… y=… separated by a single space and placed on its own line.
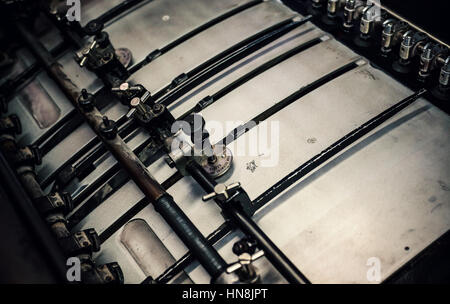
x=224 y=141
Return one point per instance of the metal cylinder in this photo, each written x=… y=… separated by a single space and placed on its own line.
x=332 y=7
x=365 y=25
x=386 y=37
x=249 y=227
x=444 y=77
x=190 y=235
x=349 y=13
x=426 y=60
x=405 y=47
x=163 y=202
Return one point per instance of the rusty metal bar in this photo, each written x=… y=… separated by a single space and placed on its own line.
x=163 y=202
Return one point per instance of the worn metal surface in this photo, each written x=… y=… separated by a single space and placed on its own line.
x=49 y=94
x=211 y=42
x=117 y=30
x=387 y=196
x=160 y=22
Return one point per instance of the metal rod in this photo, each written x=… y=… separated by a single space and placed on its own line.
x=332 y=150
x=250 y=75
x=249 y=227
x=163 y=202
x=158 y=52
x=244 y=48
x=188 y=258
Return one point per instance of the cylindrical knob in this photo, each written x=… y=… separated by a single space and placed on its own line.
x=196 y=129
x=349 y=13
x=332 y=7
x=444 y=78
x=386 y=38
x=366 y=22
x=406 y=46
x=426 y=61
x=10 y=125
x=108 y=128
x=86 y=101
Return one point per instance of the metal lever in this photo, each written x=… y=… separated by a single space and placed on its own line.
x=220 y=190
x=137 y=104
x=245 y=259
x=86 y=52
x=126 y=87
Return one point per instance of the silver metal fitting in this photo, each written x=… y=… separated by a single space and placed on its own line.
x=332 y=7
x=220 y=190
x=406 y=46
x=245 y=259
x=444 y=77
x=349 y=13
x=386 y=36
x=426 y=60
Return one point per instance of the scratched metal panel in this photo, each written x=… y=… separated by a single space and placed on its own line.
x=83 y=135
x=387 y=197
x=388 y=192
x=340 y=219
x=280 y=46
x=376 y=199
x=48 y=103
x=292 y=74
x=209 y=43
x=207 y=217
x=296 y=37
x=160 y=22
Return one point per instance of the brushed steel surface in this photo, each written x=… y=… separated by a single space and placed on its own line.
x=386 y=196
x=292 y=39
x=281 y=45
x=296 y=72
x=209 y=43
x=144 y=14
x=145 y=247
x=160 y=22
x=339 y=220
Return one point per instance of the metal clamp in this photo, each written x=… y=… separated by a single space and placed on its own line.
x=245 y=259
x=85 y=53
x=137 y=104
x=220 y=190
x=83 y=242
x=53 y=203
